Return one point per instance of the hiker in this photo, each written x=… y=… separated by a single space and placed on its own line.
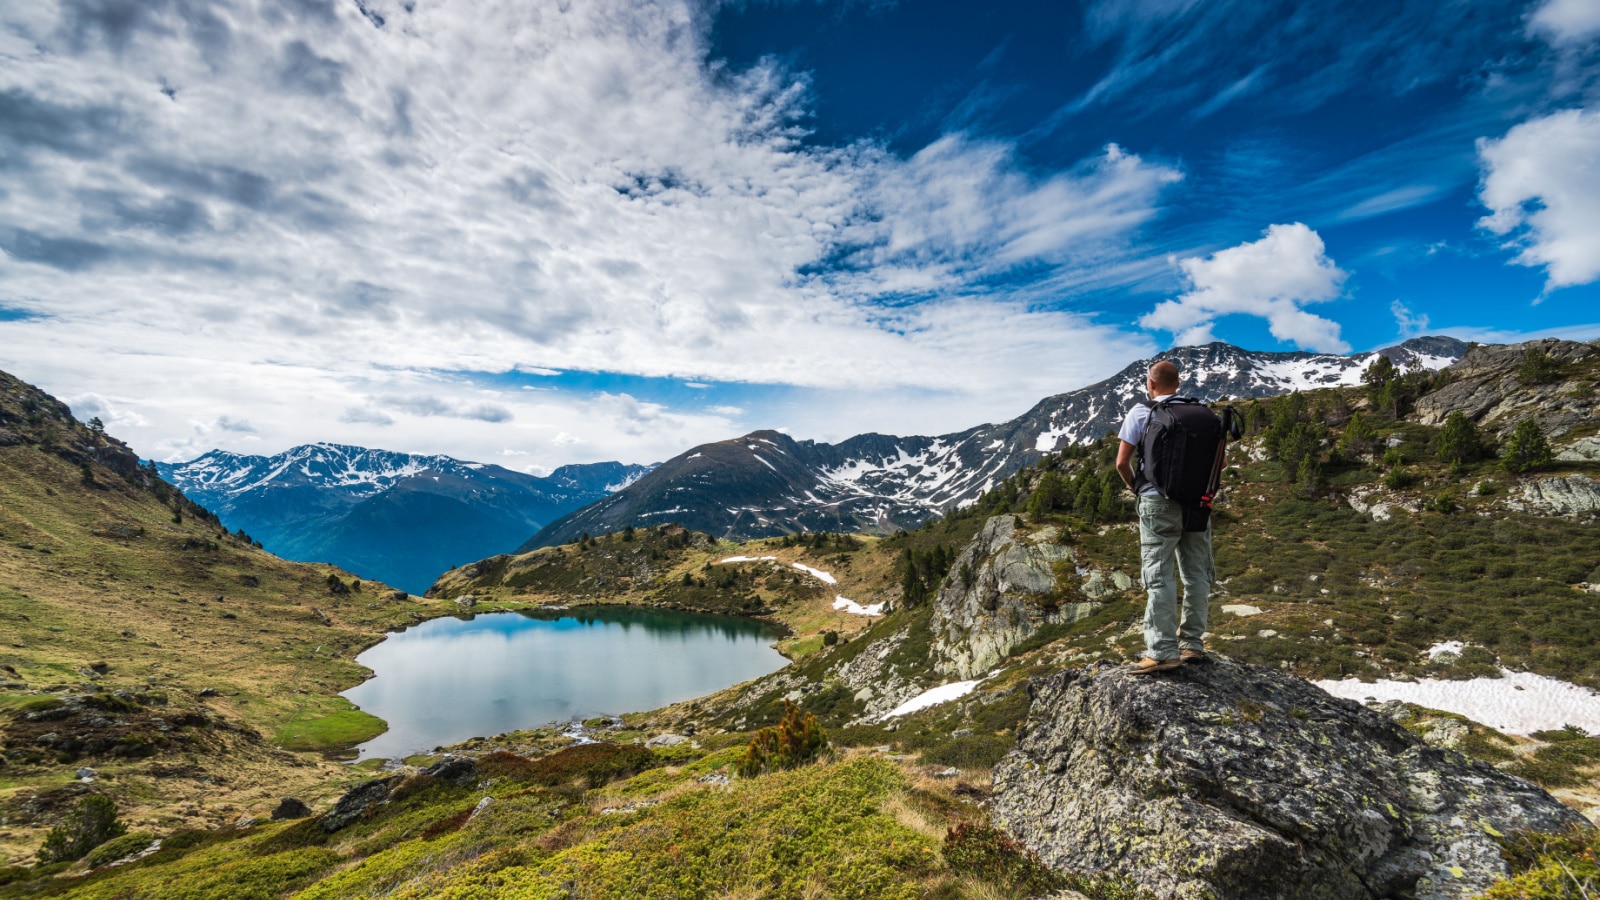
x=1179 y=444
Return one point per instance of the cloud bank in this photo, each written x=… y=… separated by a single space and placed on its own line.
x=357 y=203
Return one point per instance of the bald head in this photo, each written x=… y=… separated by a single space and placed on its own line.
x=1164 y=377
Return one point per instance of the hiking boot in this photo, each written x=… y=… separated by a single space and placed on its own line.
x=1193 y=656
x=1148 y=666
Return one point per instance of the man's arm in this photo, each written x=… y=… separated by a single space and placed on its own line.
x=1125 y=463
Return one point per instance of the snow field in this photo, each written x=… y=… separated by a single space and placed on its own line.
x=1515 y=703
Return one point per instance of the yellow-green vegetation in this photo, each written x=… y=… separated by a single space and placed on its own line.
x=328 y=723
x=1551 y=867
x=122 y=603
x=581 y=822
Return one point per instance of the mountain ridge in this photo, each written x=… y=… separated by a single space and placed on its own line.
x=398 y=517
x=766 y=483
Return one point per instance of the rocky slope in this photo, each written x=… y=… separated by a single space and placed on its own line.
x=1003 y=588
x=766 y=483
x=396 y=517
x=1494 y=387
x=1224 y=780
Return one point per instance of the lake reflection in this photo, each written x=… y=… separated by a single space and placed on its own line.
x=450 y=679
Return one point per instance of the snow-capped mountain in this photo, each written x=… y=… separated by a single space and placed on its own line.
x=767 y=483
x=397 y=517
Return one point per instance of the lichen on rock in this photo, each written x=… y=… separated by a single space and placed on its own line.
x=1001 y=590
x=1228 y=780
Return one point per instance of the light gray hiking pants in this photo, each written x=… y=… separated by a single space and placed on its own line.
x=1161 y=539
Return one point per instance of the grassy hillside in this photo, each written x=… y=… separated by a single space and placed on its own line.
x=144 y=642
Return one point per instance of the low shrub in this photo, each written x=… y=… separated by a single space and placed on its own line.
x=117 y=848
x=92 y=823
x=974 y=751
x=592 y=765
x=985 y=852
x=1550 y=867
x=796 y=740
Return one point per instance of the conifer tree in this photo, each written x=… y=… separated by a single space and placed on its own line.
x=1528 y=448
x=1459 y=441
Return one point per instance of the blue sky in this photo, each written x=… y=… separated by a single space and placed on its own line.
x=535 y=233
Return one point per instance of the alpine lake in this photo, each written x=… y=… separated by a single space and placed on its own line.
x=450 y=679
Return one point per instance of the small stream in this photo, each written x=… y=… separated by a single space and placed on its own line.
x=450 y=679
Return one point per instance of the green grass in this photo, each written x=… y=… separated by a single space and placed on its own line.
x=329 y=723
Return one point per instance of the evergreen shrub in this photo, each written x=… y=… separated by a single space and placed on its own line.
x=796 y=740
x=91 y=824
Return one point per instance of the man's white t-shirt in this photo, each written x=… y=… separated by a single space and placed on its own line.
x=1132 y=431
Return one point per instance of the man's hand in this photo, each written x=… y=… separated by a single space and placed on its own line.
x=1125 y=463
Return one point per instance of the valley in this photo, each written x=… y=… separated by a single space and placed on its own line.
x=1356 y=539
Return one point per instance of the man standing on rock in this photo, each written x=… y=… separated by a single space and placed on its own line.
x=1176 y=442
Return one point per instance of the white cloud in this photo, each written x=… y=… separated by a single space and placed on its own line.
x=1270 y=278
x=91 y=405
x=1566 y=22
x=1410 y=324
x=1541 y=183
x=726 y=410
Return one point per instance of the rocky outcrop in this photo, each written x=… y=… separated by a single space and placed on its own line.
x=291 y=808
x=357 y=801
x=1226 y=780
x=1573 y=496
x=1585 y=449
x=1488 y=388
x=460 y=771
x=1002 y=588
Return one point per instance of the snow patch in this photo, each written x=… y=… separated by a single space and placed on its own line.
x=740 y=559
x=856 y=609
x=944 y=693
x=818 y=574
x=1515 y=703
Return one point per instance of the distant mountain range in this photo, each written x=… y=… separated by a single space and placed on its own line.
x=767 y=483
x=395 y=517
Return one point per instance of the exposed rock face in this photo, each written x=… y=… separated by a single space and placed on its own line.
x=1573 y=495
x=1225 y=780
x=1582 y=450
x=1489 y=391
x=358 y=800
x=1001 y=589
x=458 y=770
x=291 y=808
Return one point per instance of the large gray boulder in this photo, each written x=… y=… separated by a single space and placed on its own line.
x=1225 y=780
x=1001 y=590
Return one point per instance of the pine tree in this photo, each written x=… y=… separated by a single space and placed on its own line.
x=1107 y=509
x=1528 y=448
x=1459 y=441
x=1538 y=367
x=1308 y=477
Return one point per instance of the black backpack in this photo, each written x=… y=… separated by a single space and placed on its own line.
x=1178 y=454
